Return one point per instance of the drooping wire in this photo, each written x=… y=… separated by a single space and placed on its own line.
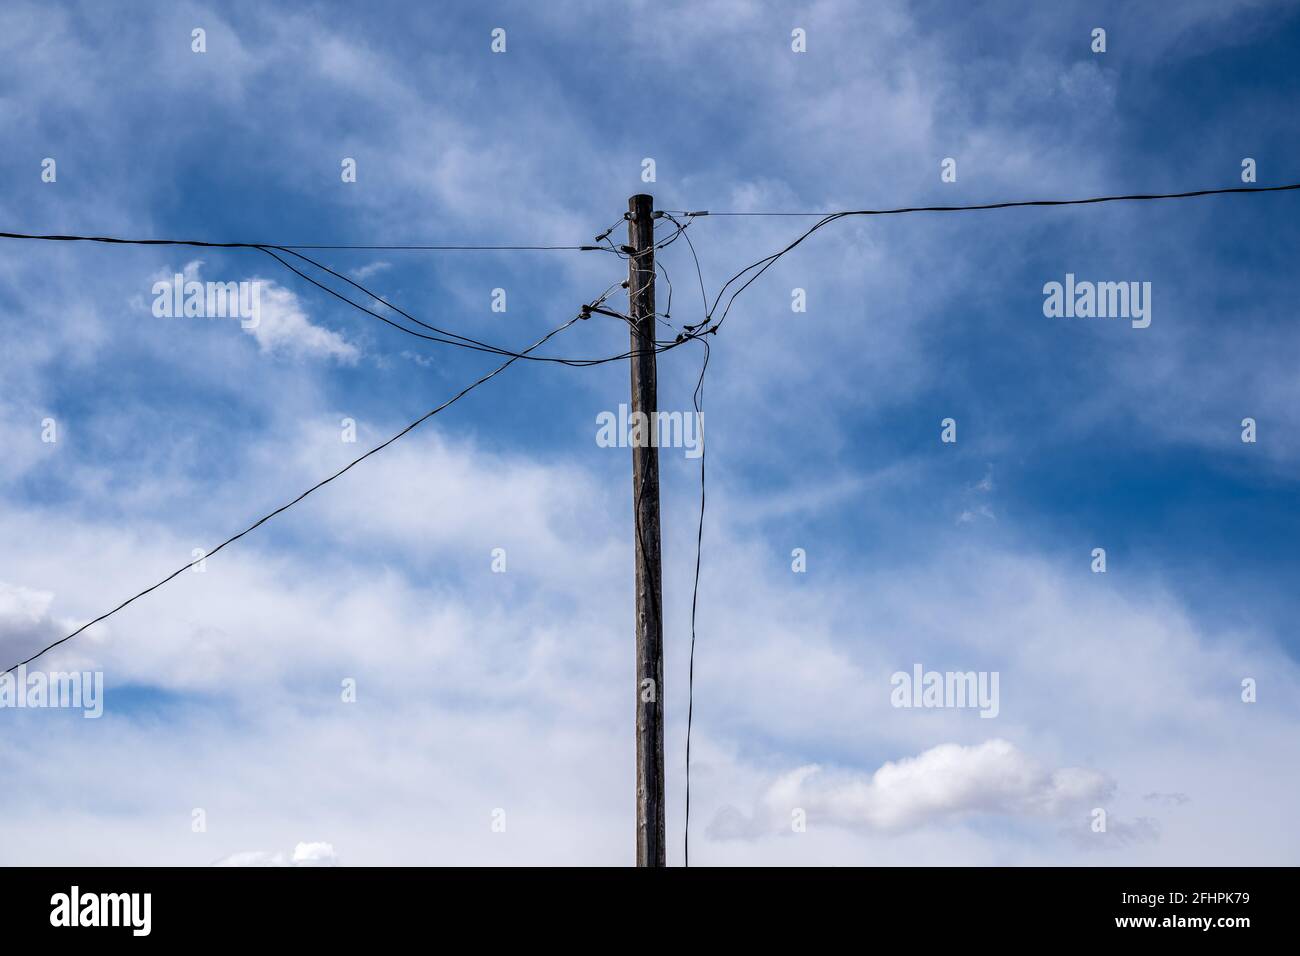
x=697 y=401
x=699 y=274
x=442 y=336
x=461 y=248
x=691 y=332
x=762 y=265
x=464 y=341
x=668 y=309
x=635 y=268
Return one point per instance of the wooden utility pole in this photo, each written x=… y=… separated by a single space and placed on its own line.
x=650 y=849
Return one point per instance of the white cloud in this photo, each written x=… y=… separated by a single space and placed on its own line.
x=23 y=613
x=304 y=854
x=470 y=695
x=280 y=324
x=284 y=328
x=944 y=782
x=363 y=273
x=26 y=624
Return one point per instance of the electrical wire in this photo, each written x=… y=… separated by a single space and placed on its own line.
x=456 y=248
x=1005 y=205
x=442 y=336
x=285 y=507
x=690 y=332
x=762 y=265
x=704 y=298
x=697 y=399
x=276 y=245
x=464 y=341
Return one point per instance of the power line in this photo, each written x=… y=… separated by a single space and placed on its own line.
x=689 y=332
x=695 y=597
x=458 y=248
x=463 y=247
x=827 y=218
x=1002 y=205
x=443 y=336
x=285 y=507
x=466 y=341
x=765 y=263
x=696 y=400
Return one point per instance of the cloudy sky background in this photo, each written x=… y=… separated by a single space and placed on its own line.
x=479 y=691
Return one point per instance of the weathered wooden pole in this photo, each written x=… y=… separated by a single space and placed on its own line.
x=650 y=841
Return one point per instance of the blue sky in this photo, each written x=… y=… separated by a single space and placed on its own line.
x=480 y=691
